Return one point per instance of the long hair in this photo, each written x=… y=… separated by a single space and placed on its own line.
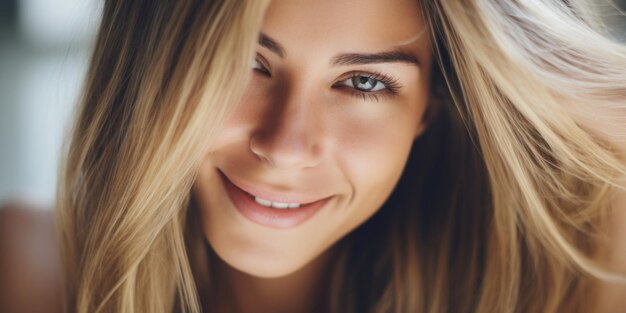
x=499 y=209
x=503 y=200
x=163 y=76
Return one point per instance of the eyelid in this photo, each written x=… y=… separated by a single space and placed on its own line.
x=263 y=61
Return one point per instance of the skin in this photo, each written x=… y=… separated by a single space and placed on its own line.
x=301 y=129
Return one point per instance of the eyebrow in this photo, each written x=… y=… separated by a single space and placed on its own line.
x=272 y=45
x=369 y=58
x=349 y=58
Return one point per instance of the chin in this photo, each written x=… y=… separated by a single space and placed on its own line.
x=259 y=266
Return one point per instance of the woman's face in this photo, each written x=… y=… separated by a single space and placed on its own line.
x=336 y=98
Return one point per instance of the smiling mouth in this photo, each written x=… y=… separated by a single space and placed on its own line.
x=287 y=206
x=281 y=211
x=269 y=201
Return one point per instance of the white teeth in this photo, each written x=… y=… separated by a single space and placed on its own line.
x=280 y=205
x=276 y=205
x=263 y=202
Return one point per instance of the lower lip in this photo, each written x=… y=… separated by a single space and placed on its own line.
x=271 y=217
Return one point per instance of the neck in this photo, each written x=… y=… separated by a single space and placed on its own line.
x=302 y=291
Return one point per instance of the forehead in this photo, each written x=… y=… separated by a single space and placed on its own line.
x=338 y=25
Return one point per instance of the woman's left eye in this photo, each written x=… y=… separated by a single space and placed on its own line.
x=369 y=86
x=364 y=83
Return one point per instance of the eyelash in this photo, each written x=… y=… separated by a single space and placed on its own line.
x=391 y=84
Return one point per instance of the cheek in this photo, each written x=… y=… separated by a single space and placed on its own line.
x=376 y=142
x=372 y=157
x=373 y=154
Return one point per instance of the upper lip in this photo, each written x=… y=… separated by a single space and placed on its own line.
x=268 y=194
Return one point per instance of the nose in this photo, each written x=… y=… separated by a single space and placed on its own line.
x=290 y=135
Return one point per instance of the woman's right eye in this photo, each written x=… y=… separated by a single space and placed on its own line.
x=258 y=66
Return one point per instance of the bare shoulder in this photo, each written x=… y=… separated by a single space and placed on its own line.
x=612 y=296
x=29 y=260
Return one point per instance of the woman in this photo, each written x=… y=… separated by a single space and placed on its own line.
x=396 y=156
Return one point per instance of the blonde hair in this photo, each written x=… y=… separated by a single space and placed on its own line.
x=503 y=214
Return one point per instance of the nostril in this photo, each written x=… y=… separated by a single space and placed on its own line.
x=256 y=148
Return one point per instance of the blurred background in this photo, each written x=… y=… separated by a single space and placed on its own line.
x=44 y=49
